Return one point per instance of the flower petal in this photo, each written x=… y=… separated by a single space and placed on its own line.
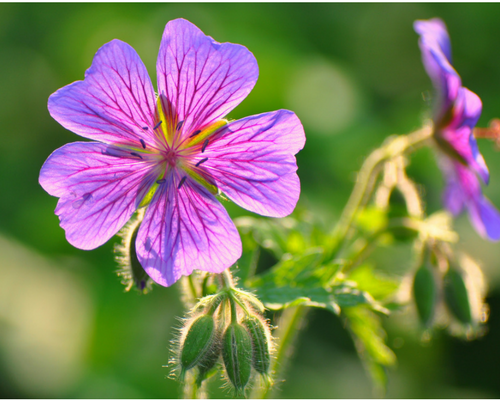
x=114 y=102
x=464 y=191
x=466 y=112
x=98 y=192
x=202 y=79
x=485 y=218
x=253 y=162
x=436 y=56
x=185 y=229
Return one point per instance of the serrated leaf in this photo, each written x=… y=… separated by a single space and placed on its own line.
x=276 y=298
x=377 y=284
x=291 y=270
x=301 y=280
x=369 y=338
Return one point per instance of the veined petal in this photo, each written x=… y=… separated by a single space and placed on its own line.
x=115 y=102
x=185 y=229
x=253 y=162
x=98 y=192
x=436 y=56
x=202 y=79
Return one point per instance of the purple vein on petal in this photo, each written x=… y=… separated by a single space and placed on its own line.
x=114 y=102
x=186 y=230
x=204 y=79
x=97 y=193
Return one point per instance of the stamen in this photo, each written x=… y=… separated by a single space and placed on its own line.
x=160 y=181
x=157 y=125
x=179 y=125
x=136 y=155
x=182 y=182
x=143 y=143
x=195 y=133
x=205 y=144
x=201 y=162
x=145 y=128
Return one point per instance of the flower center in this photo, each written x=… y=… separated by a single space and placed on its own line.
x=170 y=157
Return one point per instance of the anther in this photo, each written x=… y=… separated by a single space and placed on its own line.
x=160 y=181
x=157 y=125
x=205 y=144
x=143 y=143
x=179 y=125
x=136 y=155
x=201 y=162
x=182 y=182
x=195 y=133
x=144 y=128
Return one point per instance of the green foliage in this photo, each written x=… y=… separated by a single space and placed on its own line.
x=369 y=338
x=424 y=292
x=457 y=296
x=303 y=280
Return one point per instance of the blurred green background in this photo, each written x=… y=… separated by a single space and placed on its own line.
x=351 y=72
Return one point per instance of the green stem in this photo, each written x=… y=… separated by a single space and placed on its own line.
x=290 y=323
x=394 y=147
x=372 y=240
x=192 y=288
x=190 y=389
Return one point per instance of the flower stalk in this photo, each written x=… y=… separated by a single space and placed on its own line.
x=367 y=175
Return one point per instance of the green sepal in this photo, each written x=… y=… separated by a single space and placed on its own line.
x=261 y=357
x=424 y=293
x=237 y=355
x=198 y=342
x=457 y=296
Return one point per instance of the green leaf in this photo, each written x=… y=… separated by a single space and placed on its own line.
x=303 y=280
x=371 y=219
x=377 y=284
x=369 y=337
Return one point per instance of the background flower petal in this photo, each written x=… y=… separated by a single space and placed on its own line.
x=458 y=132
x=202 y=79
x=114 y=102
x=463 y=190
x=436 y=56
x=484 y=217
x=253 y=162
x=98 y=193
x=183 y=230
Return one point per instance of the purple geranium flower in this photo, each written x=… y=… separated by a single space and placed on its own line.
x=171 y=152
x=456 y=113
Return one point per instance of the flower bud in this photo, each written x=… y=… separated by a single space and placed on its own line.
x=424 y=292
x=198 y=345
x=259 y=333
x=131 y=269
x=456 y=296
x=399 y=209
x=237 y=355
x=208 y=362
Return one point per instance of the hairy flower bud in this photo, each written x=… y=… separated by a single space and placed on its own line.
x=198 y=345
x=259 y=333
x=131 y=269
x=424 y=292
x=457 y=296
x=208 y=362
x=237 y=355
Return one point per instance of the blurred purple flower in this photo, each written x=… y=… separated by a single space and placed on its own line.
x=457 y=110
x=172 y=152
